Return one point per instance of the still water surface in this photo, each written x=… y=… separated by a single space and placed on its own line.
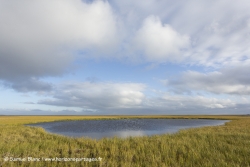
x=97 y=129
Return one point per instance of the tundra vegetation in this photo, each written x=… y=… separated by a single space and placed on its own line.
x=225 y=145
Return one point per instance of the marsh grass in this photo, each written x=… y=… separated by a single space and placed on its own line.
x=227 y=145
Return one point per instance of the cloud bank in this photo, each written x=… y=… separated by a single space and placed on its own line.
x=131 y=98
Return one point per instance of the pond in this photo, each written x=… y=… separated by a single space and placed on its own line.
x=97 y=129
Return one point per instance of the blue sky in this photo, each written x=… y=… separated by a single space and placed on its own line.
x=73 y=57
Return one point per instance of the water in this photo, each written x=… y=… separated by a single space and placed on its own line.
x=97 y=129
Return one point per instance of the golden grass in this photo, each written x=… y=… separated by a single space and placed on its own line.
x=227 y=145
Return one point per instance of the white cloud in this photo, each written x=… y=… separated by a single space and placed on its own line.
x=231 y=80
x=160 y=42
x=176 y=103
x=129 y=98
x=218 y=31
x=89 y=95
x=36 y=34
x=40 y=38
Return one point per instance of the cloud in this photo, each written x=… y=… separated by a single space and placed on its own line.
x=236 y=109
x=41 y=38
x=44 y=38
x=182 y=102
x=130 y=98
x=218 y=31
x=206 y=33
x=29 y=85
x=160 y=42
x=231 y=80
x=160 y=104
x=91 y=95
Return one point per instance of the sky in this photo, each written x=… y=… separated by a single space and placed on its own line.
x=84 y=57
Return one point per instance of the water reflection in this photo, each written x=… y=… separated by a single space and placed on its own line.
x=124 y=127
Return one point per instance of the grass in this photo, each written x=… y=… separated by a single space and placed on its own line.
x=227 y=145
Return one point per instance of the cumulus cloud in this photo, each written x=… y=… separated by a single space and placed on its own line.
x=231 y=80
x=130 y=98
x=95 y=95
x=216 y=31
x=40 y=38
x=160 y=42
x=36 y=34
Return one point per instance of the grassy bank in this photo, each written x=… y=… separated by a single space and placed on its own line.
x=227 y=145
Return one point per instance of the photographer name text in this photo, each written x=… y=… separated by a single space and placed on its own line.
x=32 y=159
